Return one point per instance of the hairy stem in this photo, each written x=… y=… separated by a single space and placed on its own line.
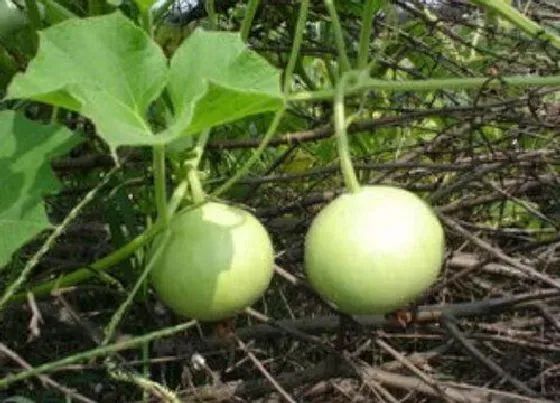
x=428 y=85
x=338 y=36
x=248 y=20
x=104 y=350
x=159 y=182
x=31 y=263
x=298 y=37
x=370 y=8
x=212 y=16
x=520 y=20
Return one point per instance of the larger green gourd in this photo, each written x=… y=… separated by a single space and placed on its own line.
x=375 y=250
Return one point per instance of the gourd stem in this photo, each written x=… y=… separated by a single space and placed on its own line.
x=212 y=16
x=82 y=274
x=199 y=148
x=298 y=37
x=460 y=83
x=196 y=187
x=96 y=352
x=111 y=328
x=338 y=36
x=159 y=182
x=348 y=173
x=192 y=164
x=148 y=22
x=521 y=21
x=158 y=161
x=105 y=263
x=370 y=8
x=248 y=20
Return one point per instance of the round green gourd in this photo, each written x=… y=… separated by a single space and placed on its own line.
x=219 y=260
x=374 y=251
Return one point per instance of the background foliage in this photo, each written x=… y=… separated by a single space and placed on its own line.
x=74 y=162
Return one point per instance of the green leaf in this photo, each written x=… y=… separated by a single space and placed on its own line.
x=110 y=71
x=215 y=79
x=26 y=177
x=104 y=67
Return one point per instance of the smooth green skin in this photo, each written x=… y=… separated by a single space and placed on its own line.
x=218 y=260
x=374 y=251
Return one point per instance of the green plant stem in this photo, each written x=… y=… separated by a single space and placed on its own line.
x=348 y=173
x=35 y=20
x=84 y=273
x=33 y=14
x=338 y=36
x=520 y=20
x=248 y=20
x=256 y=155
x=147 y=385
x=212 y=16
x=370 y=8
x=105 y=350
x=200 y=146
x=119 y=313
x=31 y=263
x=148 y=22
x=196 y=187
x=428 y=85
x=191 y=165
x=158 y=150
x=177 y=197
x=145 y=360
x=298 y=38
x=54 y=115
x=159 y=182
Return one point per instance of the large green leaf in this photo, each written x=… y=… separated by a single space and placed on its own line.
x=26 y=177
x=109 y=70
x=216 y=79
x=105 y=67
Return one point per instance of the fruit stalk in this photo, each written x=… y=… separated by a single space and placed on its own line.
x=338 y=36
x=196 y=187
x=348 y=173
x=193 y=178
